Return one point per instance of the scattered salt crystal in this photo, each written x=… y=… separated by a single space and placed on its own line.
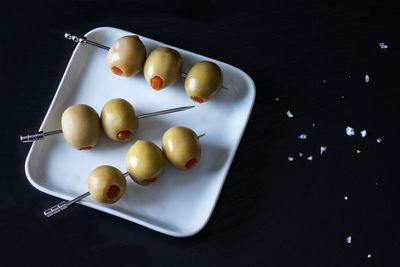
x=342 y=97
x=289 y=114
x=346 y=197
x=313 y=125
x=300 y=154
x=366 y=78
x=324 y=81
x=363 y=133
x=290 y=158
x=349 y=131
x=376 y=183
x=302 y=136
x=276 y=99
x=309 y=158
x=348 y=239
x=358 y=151
x=383 y=46
x=349 y=76
x=378 y=140
x=323 y=149
x=369 y=256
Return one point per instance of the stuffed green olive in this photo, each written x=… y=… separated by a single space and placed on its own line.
x=126 y=56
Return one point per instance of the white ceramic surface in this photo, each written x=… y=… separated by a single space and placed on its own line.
x=181 y=202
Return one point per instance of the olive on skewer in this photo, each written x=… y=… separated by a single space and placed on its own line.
x=81 y=124
x=126 y=56
x=145 y=162
x=181 y=147
x=106 y=184
x=144 y=159
x=119 y=120
x=163 y=68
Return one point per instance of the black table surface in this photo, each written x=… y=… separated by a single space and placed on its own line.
x=271 y=211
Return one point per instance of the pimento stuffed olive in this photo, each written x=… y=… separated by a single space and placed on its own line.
x=106 y=184
x=181 y=147
x=126 y=56
x=145 y=162
x=119 y=120
x=162 y=67
x=203 y=81
x=80 y=126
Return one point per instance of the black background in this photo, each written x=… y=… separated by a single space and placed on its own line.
x=271 y=212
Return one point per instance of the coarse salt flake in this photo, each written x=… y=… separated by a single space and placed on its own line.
x=378 y=140
x=349 y=131
x=369 y=256
x=276 y=99
x=300 y=154
x=302 y=136
x=313 y=124
x=289 y=114
x=290 y=158
x=366 y=78
x=383 y=46
x=323 y=149
x=363 y=133
x=358 y=151
x=346 y=197
x=348 y=239
x=309 y=158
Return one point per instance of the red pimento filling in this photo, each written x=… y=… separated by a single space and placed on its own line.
x=197 y=99
x=190 y=164
x=156 y=82
x=113 y=191
x=124 y=135
x=150 y=180
x=85 y=148
x=117 y=70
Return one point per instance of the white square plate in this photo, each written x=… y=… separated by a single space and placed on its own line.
x=181 y=202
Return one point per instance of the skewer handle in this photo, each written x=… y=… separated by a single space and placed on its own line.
x=63 y=205
x=84 y=40
x=32 y=137
x=55 y=209
x=37 y=136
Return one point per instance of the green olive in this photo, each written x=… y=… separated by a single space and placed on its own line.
x=145 y=162
x=126 y=56
x=80 y=126
x=119 y=120
x=106 y=184
x=162 y=67
x=203 y=81
x=181 y=147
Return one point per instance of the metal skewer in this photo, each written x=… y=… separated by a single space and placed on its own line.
x=40 y=135
x=65 y=204
x=84 y=40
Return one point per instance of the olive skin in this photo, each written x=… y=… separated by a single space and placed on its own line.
x=145 y=162
x=181 y=147
x=118 y=115
x=126 y=56
x=165 y=63
x=80 y=126
x=106 y=184
x=203 y=81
